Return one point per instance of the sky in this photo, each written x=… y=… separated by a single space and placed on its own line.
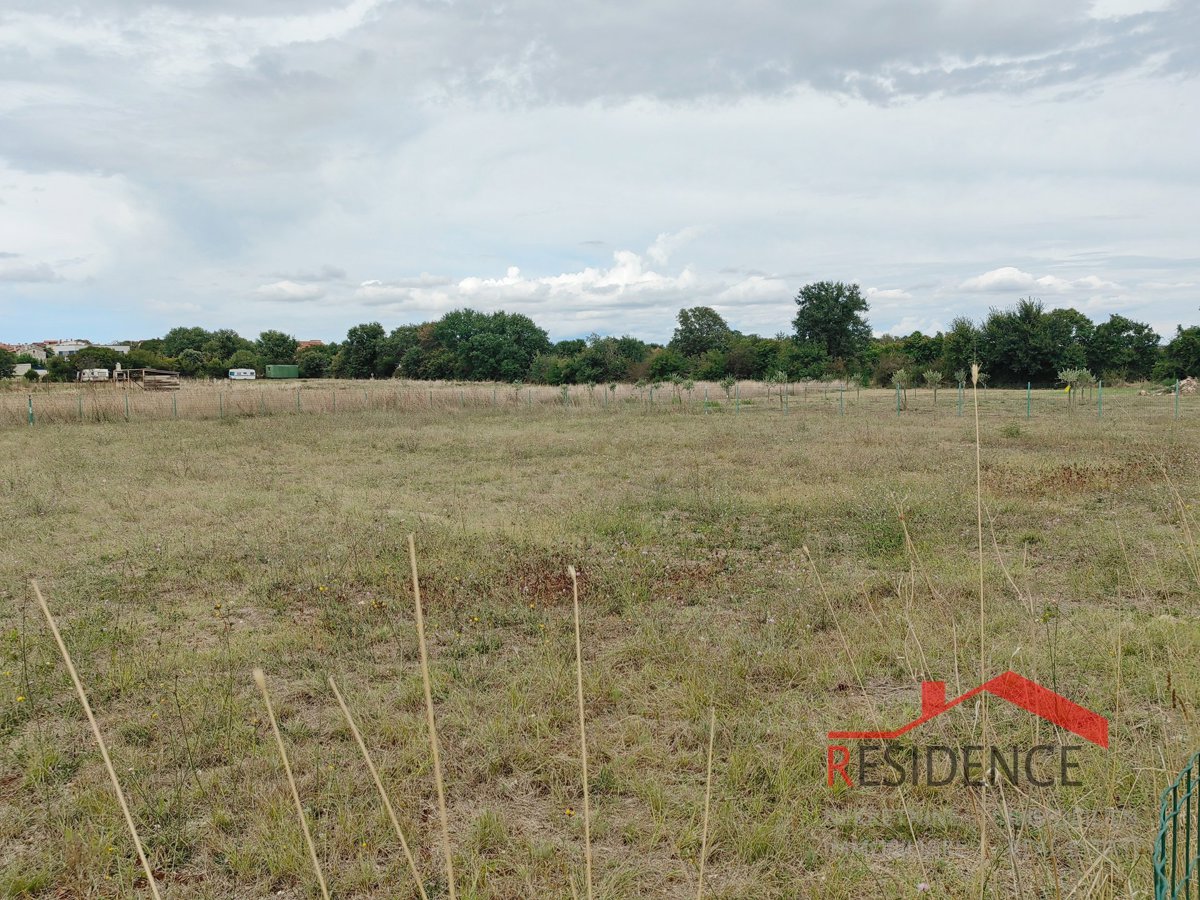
x=308 y=165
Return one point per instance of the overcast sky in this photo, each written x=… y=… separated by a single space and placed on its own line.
x=311 y=164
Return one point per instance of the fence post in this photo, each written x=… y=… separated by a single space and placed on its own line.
x=706 y=400
x=897 y=399
x=127 y=406
x=842 y=402
x=31 y=409
x=80 y=399
x=1177 y=398
x=297 y=399
x=1028 y=397
x=220 y=405
x=1100 y=399
x=960 y=396
x=785 y=403
x=737 y=398
x=174 y=405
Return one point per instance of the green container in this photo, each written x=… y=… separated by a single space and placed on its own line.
x=283 y=371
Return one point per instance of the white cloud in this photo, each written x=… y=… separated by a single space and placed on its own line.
x=886 y=296
x=1007 y=279
x=18 y=270
x=217 y=152
x=290 y=291
x=631 y=294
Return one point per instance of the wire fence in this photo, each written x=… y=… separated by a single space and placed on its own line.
x=1177 y=848
x=90 y=403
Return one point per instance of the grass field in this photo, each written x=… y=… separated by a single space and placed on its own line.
x=179 y=555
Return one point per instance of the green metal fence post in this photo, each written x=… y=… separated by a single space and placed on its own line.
x=127 y=406
x=1100 y=399
x=174 y=406
x=297 y=399
x=1028 y=397
x=706 y=400
x=220 y=405
x=1175 y=872
x=80 y=404
x=842 y=402
x=960 y=398
x=1177 y=398
x=897 y=399
x=31 y=409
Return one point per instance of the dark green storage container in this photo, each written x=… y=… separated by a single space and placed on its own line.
x=283 y=371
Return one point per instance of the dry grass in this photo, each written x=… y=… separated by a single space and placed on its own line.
x=180 y=555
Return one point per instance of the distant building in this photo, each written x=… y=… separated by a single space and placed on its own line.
x=42 y=350
x=64 y=348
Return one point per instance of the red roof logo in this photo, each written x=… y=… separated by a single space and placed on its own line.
x=1017 y=690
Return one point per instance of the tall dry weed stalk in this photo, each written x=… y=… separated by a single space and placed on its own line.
x=979 y=517
x=87 y=708
x=433 y=739
x=583 y=758
x=874 y=713
x=982 y=618
x=712 y=733
x=260 y=679
x=383 y=795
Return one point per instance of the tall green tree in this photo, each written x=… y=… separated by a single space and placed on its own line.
x=960 y=346
x=275 y=348
x=1123 y=348
x=700 y=329
x=832 y=315
x=1181 y=356
x=190 y=362
x=8 y=363
x=1016 y=347
x=1070 y=334
x=182 y=338
x=359 y=356
x=312 y=363
x=225 y=342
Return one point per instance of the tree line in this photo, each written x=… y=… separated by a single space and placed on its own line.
x=830 y=338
